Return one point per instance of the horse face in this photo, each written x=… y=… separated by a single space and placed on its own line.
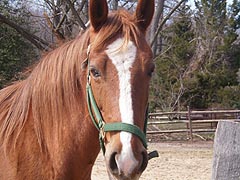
x=120 y=86
x=120 y=74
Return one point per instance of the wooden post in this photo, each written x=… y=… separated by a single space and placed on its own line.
x=212 y=118
x=226 y=160
x=190 y=124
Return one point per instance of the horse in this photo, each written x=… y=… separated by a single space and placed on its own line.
x=92 y=87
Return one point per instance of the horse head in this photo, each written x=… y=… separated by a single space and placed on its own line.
x=119 y=67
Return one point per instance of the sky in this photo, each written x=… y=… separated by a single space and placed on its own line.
x=191 y=2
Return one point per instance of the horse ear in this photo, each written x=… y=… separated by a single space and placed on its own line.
x=144 y=13
x=98 y=12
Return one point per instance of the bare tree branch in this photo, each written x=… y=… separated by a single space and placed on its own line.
x=56 y=32
x=62 y=20
x=35 y=40
x=82 y=5
x=165 y=20
x=75 y=13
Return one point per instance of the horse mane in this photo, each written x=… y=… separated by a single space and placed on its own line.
x=53 y=91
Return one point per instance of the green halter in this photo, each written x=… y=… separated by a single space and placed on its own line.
x=103 y=127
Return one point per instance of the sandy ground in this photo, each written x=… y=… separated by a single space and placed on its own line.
x=176 y=161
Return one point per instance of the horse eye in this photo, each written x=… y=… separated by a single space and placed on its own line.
x=95 y=72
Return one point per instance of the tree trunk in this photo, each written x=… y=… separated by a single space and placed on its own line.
x=156 y=20
x=159 y=28
x=115 y=4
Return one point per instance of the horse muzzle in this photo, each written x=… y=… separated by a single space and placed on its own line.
x=124 y=163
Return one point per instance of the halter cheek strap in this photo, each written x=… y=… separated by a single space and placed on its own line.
x=103 y=127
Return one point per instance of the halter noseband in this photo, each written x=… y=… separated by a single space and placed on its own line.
x=100 y=124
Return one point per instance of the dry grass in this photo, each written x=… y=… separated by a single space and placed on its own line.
x=177 y=161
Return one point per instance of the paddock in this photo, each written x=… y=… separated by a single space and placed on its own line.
x=182 y=157
x=176 y=161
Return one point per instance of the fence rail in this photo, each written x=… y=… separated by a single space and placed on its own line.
x=189 y=122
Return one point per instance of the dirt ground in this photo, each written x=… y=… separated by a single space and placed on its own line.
x=176 y=161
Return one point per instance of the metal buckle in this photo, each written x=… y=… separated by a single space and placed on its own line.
x=102 y=132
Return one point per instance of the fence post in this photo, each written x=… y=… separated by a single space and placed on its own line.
x=226 y=156
x=190 y=123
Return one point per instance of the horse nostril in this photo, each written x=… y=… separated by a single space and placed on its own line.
x=144 y=161
x=127 y=165
x=113 y=164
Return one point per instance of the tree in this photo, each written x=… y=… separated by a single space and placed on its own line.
x=15 y=52
x=167 y=86
x=212 y=67
x=199 y=59
x=238 y=76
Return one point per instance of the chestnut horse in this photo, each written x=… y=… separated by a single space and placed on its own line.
x=46 y=128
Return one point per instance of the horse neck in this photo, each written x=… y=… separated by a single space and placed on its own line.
x=74 y=152
x=56 y=116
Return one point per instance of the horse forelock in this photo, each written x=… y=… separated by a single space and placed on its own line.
x=53 y=92
x=119 y=24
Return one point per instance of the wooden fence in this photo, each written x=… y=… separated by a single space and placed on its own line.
x=189 y=122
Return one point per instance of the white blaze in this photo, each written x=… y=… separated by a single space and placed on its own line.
x=123 y=59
